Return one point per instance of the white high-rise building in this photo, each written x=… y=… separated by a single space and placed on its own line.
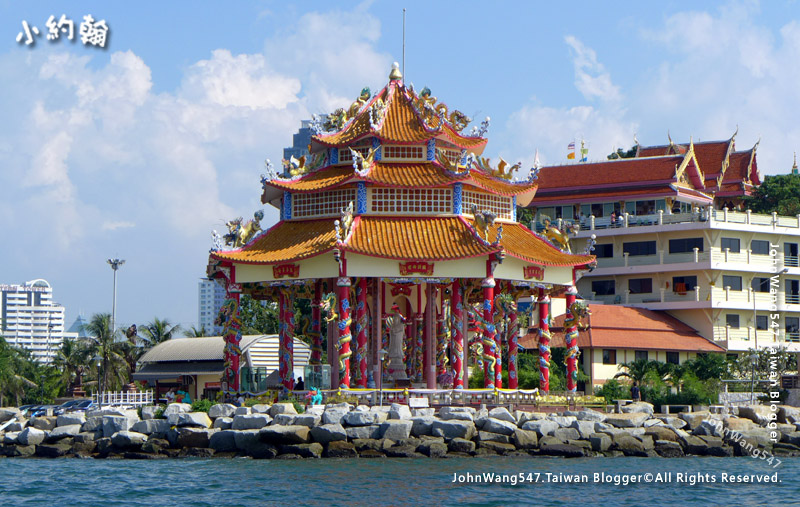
x=31 y=320
x=211 y=295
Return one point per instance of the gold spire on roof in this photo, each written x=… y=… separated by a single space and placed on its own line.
x=794 y=165
x=395 y=73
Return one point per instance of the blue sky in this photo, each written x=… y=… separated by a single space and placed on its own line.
x=139 y=150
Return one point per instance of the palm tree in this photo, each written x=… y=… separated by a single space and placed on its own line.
x=71 y=360
x=158 y=331
x=636 y=370
x=194 y=332
x=15 y=367
x=100 y=342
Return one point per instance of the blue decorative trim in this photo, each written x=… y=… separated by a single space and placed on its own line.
x=334 y=156
x=431 y=153
x=361 y=198
x=376 y=145
x=514 y=208
x=287 y=206
x=457 y=188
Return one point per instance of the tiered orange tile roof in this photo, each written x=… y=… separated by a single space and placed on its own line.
x=286 y=241
x=518 y=241
x=423 y=238
x=403 y=175
x=611 y=173
x=622 y=327
x=427 y=239
x=402 y=125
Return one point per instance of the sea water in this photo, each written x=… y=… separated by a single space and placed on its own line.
x=455 y=481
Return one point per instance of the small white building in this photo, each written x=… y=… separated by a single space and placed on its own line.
x=31 y=320
x=195 y=365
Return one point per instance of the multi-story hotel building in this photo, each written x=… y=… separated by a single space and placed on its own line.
x=211 y=295
x=672 y=235
x=31 y=320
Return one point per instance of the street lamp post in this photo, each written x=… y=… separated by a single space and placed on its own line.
x=753 y=361
x=115 y=264
x=98 y=359
x=382 y=353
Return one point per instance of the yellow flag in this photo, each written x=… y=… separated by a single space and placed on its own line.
x=571 y=156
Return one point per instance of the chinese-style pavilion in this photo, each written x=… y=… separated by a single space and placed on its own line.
x=395 y=208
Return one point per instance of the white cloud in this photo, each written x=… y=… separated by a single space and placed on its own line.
x=591 y=78
x=114 y=225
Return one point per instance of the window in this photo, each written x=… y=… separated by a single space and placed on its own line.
x=792 y=324
x=732 y=320
x=761 y=322
x=402 y=152
x=760 y=284
x=329 y=202
x=604 y=251
x=499 y=205
x=603 y=287
x=645 y=207
x=759 y=247
x=597 y=210
x=640 y=285
x=683 y=283
x=641 y=355
x=731 y=244
x=734 y=282
x=409 y=200
x=639 y=248
x=685 y=245
x=732 y=357
x=609 y=356
x=673 y=358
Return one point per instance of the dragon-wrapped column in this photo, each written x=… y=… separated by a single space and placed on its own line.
x=361 y=333
x=343 y=288
x=571 y=329
x=457 y=313
x=489 y=333
x=286 y=339
x=232 y=335
x=544 y=341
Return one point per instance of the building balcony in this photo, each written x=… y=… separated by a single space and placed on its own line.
x=716 y=258
x=742 y=339
x=724 y=218
x=708 y=297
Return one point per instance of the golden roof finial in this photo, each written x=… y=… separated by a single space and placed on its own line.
x=794 y=165
x=395 y=73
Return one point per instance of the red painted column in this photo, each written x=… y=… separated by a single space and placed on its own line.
x=457 y=312
x=316 y=325
x=232 y=335
x=286 y=339
x=361 y=332
x=572 y=341
x=489 y=337
x=343 y=288
x=544 y=342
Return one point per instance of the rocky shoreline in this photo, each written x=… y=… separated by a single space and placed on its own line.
x=343 y=431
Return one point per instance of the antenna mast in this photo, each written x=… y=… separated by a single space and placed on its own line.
x=404 y=42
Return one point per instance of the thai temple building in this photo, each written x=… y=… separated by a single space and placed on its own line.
x=402 y=236
x=673 y=235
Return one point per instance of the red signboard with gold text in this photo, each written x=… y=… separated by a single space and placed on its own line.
x=290 y=270
x=416 y=267
x=536 y=272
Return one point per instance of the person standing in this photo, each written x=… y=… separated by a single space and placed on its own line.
x=636 y=394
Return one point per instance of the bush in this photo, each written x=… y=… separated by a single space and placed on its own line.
x=159 y=413
x=612 y=390
x=201 y=405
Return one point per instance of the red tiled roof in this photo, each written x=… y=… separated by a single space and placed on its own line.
x=609 y=173
x=711 y=155
x=622 y=327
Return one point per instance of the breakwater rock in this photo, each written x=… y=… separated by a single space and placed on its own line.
x=343 y=430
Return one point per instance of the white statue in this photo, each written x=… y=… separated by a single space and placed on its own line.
x=396 y=367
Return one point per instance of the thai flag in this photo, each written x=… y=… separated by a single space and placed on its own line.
x=571 y=146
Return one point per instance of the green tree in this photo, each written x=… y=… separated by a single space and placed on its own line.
x=158 y=331
x=779 y=194
x=258 y=317
x=71 y=361
x=636 y=370
x=196 y=332
x=524 y=216
x=707 y=366
x=17 y=371
x=101 y=342
x=620 y=153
